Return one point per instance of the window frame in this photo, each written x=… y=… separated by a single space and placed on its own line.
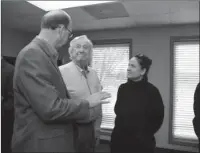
x=172 y=140
x=102 y=42
x=114 y=41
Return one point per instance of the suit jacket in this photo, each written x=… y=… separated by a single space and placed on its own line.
x=196 y=106
x=44 y=114
x=7 y=110
x=7 y=72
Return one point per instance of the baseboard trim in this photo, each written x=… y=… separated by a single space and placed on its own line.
x=158 y=150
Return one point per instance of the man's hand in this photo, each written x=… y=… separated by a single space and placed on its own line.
x=97 y=98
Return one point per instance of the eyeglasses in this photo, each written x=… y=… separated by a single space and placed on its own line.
x=140 y=55
x=70 y=33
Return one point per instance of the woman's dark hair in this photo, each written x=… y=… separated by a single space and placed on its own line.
x=145 y=63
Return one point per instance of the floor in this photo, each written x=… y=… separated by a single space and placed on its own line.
x=105 y=148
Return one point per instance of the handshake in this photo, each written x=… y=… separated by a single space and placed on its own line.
x=98 y=98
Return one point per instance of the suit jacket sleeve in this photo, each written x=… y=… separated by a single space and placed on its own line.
x=92 y=115
x=35 y=79
x=196 y=106
x=197 y=101
x=8 y=93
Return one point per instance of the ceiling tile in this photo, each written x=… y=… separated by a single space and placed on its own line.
x=146 y=7
x=107 y=10
x=25 y=16
x=185 y=16
x=106 y=23
x=177 y=6
x=152 y=19
x=78 y=14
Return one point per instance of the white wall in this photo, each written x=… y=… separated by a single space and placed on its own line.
x=12 y=41
x=154 y=42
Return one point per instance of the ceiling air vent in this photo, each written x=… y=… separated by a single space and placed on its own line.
x=107 y=10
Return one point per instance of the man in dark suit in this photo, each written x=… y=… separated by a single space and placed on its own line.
x=44 y=112
x=196 y=120
x=7 y=72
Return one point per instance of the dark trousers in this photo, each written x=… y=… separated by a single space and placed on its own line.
x=7 y=130
x=124 y=143
x=84 y=137
x=129 y=148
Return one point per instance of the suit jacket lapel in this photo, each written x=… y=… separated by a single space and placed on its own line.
x=47 y=50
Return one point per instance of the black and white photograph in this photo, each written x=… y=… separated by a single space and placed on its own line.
x=100 y=76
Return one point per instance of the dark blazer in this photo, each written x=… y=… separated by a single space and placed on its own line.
x=7 y=110
x=7 y=72
x=44 y=114
x=196 y=120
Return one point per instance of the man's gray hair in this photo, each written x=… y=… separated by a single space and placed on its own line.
x=84 y=38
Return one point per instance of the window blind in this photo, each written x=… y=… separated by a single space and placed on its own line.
x=110 y=62
x=185 y=80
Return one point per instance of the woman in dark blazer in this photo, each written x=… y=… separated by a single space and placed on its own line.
x=139 y=110
x=196 y=107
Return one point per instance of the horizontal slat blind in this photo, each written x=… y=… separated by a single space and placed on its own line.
x=185 y=80
x=110 y=62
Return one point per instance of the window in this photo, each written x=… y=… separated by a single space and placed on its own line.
x=185 y=77
x=110 y=60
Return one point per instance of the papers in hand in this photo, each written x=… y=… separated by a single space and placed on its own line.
x=105 y=96
x=98 y=98
x=105 y=102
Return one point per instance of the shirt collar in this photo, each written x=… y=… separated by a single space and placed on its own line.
x=52 y=50
x=80 y=69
